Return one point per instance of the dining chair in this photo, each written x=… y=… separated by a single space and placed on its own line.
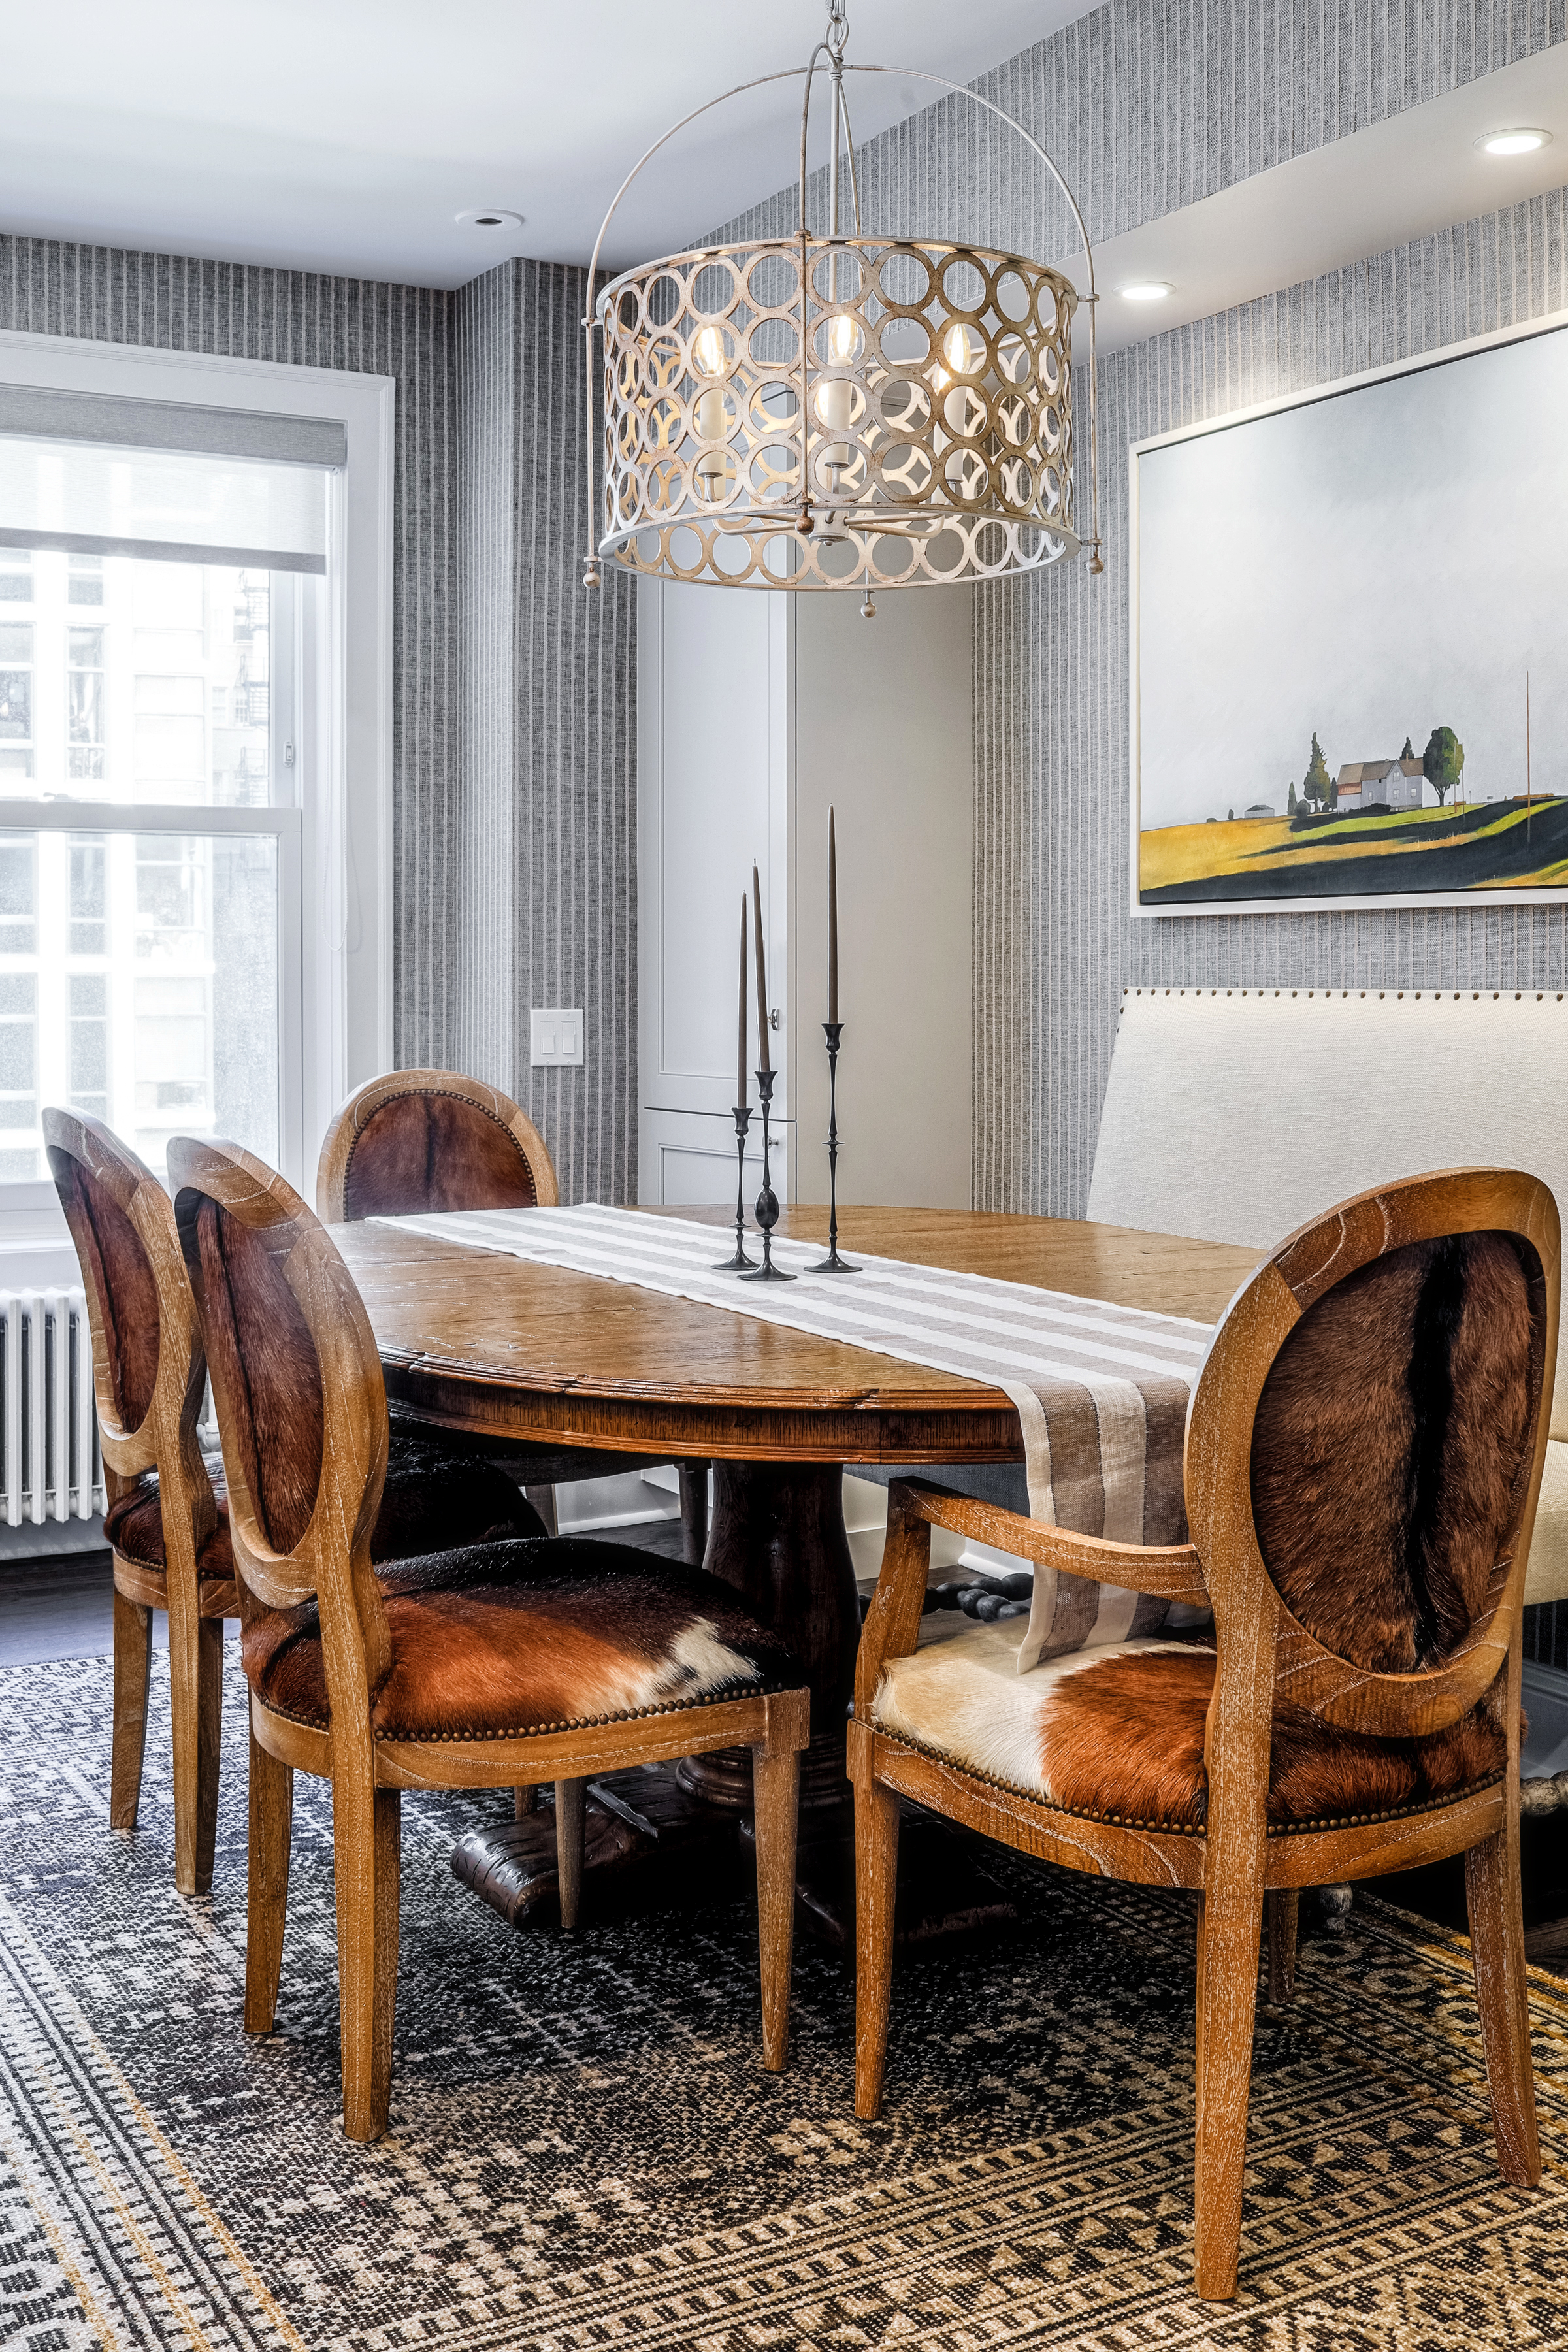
x=484 y=1666
x=1363 y=1457
x=167 y=1519
x=421 y=1142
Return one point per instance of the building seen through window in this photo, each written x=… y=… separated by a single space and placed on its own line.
x=137 y=968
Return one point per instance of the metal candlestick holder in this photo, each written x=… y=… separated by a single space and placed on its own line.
x=734 y=1264
x=767 y=1199
x=833 y=1264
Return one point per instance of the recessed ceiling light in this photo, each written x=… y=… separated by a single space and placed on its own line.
x=491 y=219
x=1513 y=143
x=1145 y=289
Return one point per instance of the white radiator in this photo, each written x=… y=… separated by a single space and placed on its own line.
x=50 y=1465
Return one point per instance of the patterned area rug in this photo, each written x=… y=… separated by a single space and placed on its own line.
x=584 y=2152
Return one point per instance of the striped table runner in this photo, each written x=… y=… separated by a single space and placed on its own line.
x=1101 y=1391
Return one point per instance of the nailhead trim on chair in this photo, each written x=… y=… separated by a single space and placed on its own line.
x=1179 y=1828
x=538 y=1730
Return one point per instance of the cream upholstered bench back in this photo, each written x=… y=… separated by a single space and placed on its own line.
x=1236 y=1114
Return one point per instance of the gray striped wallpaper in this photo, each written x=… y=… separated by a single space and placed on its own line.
x=1149 y=105
x=514 y=853
x=548 y=855
x=404 y=332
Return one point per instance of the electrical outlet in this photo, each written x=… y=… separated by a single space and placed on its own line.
x=556 y=1038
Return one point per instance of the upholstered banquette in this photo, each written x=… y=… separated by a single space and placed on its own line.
x=1235 y=1114
x=167 y=1521
x=490 y=1663
x=1362 y=1464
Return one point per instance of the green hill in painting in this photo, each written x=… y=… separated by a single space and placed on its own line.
x=1495 y=845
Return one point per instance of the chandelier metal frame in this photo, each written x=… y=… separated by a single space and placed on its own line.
x=838 y=412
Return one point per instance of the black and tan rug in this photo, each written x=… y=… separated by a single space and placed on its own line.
x=585 y=2154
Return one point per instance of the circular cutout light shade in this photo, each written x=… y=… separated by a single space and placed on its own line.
x=815 y=412
x=1513 y=143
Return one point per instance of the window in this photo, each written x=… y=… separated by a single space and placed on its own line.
x=196 y=713
x=139 y=962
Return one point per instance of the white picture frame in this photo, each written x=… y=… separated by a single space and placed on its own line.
x=1193 y=505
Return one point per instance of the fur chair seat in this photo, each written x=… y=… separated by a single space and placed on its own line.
x=1117 y=1732
x=435 y=1495
x=504 y=1638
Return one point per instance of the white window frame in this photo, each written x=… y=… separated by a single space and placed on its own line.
x=337 y=1000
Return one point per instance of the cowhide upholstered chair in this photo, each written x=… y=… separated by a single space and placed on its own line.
x=167 y=1536
x=486 y=1665
x=167 y=1521
x=1363 y=1457
x=422 y=1142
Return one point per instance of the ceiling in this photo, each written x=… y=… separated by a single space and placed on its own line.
x=345 y=136
x=1383 y=187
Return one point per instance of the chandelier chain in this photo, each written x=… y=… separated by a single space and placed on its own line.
x=837 y=27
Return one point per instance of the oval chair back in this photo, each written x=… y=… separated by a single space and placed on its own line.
x=1363 y=1457
x=425 y=1142
x=301 y=1405
x=149 y=1377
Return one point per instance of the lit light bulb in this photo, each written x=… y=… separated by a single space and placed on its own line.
x=708 y=418
x=841 y=340
x=835 y=399
x=963 y=351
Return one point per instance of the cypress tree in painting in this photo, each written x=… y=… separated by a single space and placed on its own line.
x=1315 y=786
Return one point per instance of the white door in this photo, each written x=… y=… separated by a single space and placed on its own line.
x=714 y=791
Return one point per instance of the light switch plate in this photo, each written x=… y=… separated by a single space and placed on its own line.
x=556 y=1038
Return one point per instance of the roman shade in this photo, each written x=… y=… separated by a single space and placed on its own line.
x=101 y=476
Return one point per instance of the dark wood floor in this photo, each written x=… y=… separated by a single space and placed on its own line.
x=61 y=1608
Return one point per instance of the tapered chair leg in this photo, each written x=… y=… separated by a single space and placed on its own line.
x=266 y=1901
x=570 y=1832
x=876 y=1887
x=775 y=1798
x=1497 y=1941
x=366 y=1847
x=1228 y=1935
x=132 y=1667
x=524 y=1800
x=1282 y=1912
x=195 y=1709
x=693 y=1511
x=544 y=1501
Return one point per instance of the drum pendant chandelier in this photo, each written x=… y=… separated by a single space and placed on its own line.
x=839 y=412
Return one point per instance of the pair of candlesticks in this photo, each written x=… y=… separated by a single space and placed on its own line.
x=767 y=1207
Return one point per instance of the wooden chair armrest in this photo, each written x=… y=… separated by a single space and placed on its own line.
x=1172 y=1571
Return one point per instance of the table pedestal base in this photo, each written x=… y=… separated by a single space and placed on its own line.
x=649 y=1844
x=656 y=1835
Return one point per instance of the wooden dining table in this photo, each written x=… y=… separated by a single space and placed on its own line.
x=503 y=1348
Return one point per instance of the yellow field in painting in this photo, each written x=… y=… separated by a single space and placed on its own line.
x=1175 y=854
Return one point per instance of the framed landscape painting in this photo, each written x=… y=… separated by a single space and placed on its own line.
x=1349 y=641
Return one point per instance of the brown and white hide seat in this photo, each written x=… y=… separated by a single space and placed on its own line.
x=505 y=1638
x=435 y=1497
x=1387 y=1445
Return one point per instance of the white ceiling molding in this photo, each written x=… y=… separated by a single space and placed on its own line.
x=1382 y=187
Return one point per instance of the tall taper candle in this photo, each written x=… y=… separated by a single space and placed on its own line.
x=832 y=921
x=741 y=1073
x=763 y=1061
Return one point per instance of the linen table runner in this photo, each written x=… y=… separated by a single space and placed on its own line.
x=1101 y=1391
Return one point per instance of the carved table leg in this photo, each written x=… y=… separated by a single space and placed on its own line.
x=778 y=1536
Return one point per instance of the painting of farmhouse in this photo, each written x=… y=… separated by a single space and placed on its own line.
x=1350 y=644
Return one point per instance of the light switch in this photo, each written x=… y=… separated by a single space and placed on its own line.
x=556 y=1038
